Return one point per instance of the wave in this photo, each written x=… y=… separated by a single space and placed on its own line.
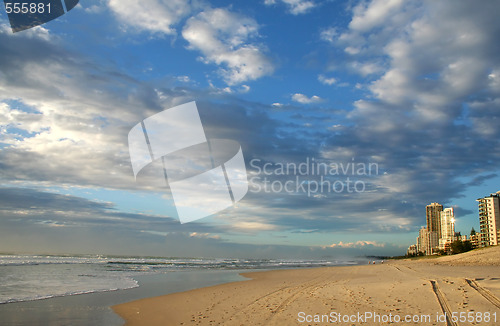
x=36 y=277
x=49 y=296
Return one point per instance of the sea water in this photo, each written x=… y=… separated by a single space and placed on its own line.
x=78 y=290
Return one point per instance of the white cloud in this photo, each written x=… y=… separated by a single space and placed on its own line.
x=329 y=34
x=93 y=9
x=157 y=16
x=253 y=226
x=422 y=58
x=65 y=118
x=373 y=24
x=372 y=14
x=229 y=90
x=37 y=32
x=204 y=235
x=494 y=79
x=184 y=79
x=161 y=234
x=295 y=7
x=301 y=98
x=244 y=89
x=357 y=244
x=326 y=81
x=222 y=38
x=366 y=68
x=352 y=50
x=24 y=121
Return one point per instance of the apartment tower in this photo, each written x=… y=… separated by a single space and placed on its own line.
x=447 y=228
x=427 y=241
x=489 y=219
x=433 y=214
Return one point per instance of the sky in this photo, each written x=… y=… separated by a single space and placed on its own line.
x=400 y=99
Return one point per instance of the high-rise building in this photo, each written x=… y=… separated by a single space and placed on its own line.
x=433 y=214
x=447 y=228
x=489 y=219
x=427 y=241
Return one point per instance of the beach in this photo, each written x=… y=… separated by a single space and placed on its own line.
x=452 y=290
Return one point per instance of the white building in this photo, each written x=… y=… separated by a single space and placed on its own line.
x=447 y=228
x=433 y=216
x=489 y=219
x=427 y=241
x=412 y=250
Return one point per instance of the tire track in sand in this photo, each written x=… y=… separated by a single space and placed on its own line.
x=443 y=303
x=308 y=287
x=268 y=300
x=484 y=292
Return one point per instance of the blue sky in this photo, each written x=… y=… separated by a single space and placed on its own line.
x=413 y=87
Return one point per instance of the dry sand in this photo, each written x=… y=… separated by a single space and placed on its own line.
x=464 y=286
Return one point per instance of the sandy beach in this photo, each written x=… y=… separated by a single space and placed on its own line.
x=465 y=289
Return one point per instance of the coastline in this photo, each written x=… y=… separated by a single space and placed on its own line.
x=464 y=285
x=94 y=308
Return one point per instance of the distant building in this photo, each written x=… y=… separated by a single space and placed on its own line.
x=489 y=219
x=447 y=218
x=433 y=218
x=427 y=241
x=412 y=250
x=475 y=240
x=433 y=242
x=419 y=241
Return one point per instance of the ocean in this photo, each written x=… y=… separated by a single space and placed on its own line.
x=78 y=290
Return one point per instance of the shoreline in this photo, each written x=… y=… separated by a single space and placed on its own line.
x=320 y=296
x=95 y=308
